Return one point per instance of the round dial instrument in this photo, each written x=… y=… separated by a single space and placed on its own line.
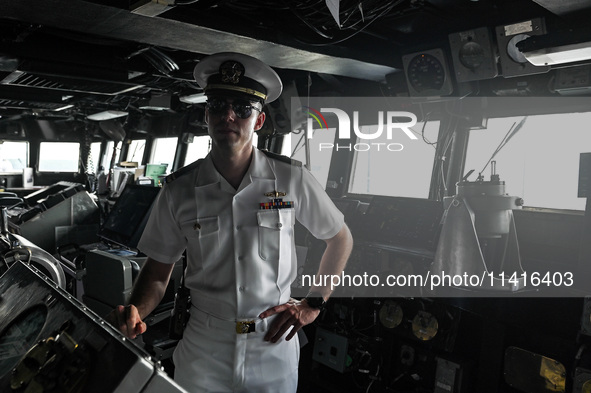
x=424 y=326
x=472 y=55
x=391 y=314
x=426 y=72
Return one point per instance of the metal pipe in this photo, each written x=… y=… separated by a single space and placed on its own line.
x=4 y=221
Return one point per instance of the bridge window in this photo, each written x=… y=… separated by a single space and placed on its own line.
x=540 y=163
x=199 y=148
x=135 y=153
x=59 y=156
x=111 y=148
x=400 y=167
x=163 y=151
x=94 y=157
x=14 y=156
x=320 y=153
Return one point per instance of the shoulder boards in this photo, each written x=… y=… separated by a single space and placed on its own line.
x=183 y=171
x=282 y=158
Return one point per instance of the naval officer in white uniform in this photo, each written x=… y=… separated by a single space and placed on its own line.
x=241 y=336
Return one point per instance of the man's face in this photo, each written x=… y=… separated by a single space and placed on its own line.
x=231 y=121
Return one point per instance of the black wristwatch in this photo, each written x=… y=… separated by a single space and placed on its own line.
x=315 y=300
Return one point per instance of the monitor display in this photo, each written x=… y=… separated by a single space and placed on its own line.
x=127 y=219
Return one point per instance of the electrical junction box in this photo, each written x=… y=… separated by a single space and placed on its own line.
x=447 y=377
x=473 y=55
x=330 y=349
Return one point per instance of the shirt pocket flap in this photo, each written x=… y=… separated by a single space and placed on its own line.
x=200 y=226
x=275 y=219
x=207 y=225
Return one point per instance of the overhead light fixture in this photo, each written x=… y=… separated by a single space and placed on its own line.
x=546 y=50
x=63 y=108
x=106 y=115
x=154 y=8
x=199 y=98
x=560 y=54
x=162 y=102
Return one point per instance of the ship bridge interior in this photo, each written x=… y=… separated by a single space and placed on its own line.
x=491 y=185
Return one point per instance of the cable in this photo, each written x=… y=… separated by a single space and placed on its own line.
x=159 y=60
x=443 y=174
x=422 y=134
x=307 y=23
x=374 y=378
x=137 y=147
x=297 y=146
x=385 y=11
x=167 y=60
x=438 y=183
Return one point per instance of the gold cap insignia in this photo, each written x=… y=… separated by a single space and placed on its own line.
x=231 y=71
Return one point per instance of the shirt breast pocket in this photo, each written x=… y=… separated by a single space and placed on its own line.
x=275 y=233
x=203 y=236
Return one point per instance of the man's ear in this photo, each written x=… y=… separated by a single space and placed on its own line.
x=206 y=116
x=260 y=121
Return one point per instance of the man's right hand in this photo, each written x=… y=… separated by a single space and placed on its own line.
x=127 y=319
x=148 y=289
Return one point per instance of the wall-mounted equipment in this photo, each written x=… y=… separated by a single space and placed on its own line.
x=427 y=73
x=15 y=248
x=571 y=81
x=513 y=62
x=448 y=376
x=391 y=314
x=425 y=326
x=582 y=380
x=530 y=372
x=331 y=349
x=478 y=237
x=473 y=55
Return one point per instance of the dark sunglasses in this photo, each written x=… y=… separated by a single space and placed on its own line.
x=242 y=108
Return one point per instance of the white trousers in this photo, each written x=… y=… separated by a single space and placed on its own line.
x=213 y=358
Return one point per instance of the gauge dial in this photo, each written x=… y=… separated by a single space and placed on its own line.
x=472 y=55
x=426 y=72
x=391 y=314
x=424 y=326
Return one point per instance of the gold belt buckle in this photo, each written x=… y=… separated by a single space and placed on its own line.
x=244 y=327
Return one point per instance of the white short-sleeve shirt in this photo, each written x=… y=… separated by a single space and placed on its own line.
x=241 y=259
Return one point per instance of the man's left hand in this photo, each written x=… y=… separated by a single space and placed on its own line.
x=293 y=314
